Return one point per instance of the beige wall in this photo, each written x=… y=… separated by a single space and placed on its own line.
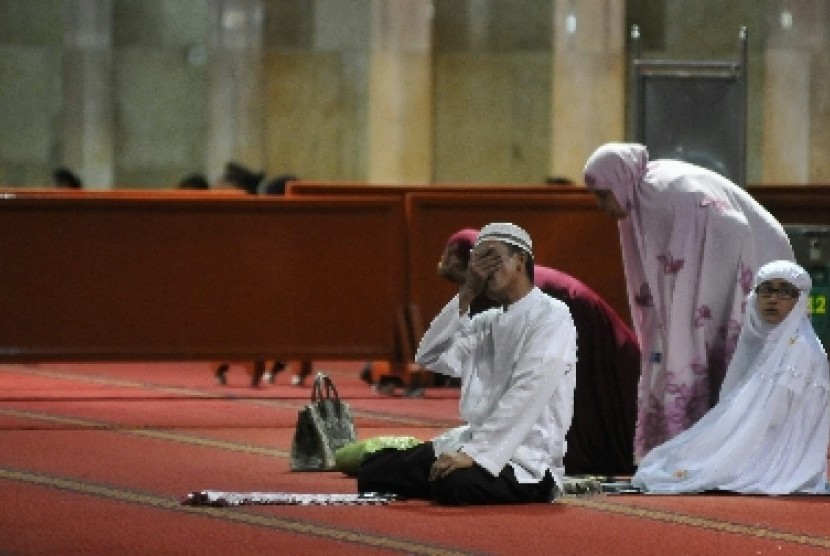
x=315 y=115
x=476 y=103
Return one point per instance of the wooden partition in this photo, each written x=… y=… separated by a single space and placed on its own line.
x=569 y=233
x=352 y=188
x=795 y=204
x=175 y=275
x=199 y=277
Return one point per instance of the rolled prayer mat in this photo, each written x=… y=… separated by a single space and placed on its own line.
x=224 y=498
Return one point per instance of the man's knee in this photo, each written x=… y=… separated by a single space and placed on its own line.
x=456 y=489
x=373 y=468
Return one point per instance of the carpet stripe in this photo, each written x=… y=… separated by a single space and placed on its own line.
x=195 y=393
x=148 y=433
x=226 y=514
x=698 y=522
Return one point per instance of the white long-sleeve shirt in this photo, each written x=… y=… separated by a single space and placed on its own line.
x=518 y=370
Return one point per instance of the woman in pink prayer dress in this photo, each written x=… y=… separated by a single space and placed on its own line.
x=691 y=243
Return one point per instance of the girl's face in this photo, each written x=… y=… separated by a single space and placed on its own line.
x=776 y=298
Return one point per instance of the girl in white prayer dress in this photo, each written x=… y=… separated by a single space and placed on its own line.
x=769 y=432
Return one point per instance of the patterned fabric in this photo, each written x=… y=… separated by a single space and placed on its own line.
x=222 y=498
x=769 y=432
x=691 y=243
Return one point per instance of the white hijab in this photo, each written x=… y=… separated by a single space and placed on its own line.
x=759 y=340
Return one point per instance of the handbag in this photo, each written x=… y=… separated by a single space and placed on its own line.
x=323 y=426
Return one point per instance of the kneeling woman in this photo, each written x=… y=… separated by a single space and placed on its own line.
x=769 y=432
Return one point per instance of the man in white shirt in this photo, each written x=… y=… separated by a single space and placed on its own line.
x=516 y=363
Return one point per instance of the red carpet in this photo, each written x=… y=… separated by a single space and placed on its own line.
x=95 y=459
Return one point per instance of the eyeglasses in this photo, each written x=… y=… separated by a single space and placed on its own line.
x=784 y=292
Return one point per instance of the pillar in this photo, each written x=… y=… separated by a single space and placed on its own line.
x=796 y=42
x=588 y=85
x=237 y=117
x=400 y=92
x=87 y=92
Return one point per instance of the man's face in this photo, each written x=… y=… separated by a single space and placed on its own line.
x=506 y=275
x=452 y=266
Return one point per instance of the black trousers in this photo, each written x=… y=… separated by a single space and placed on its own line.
x=406 y=474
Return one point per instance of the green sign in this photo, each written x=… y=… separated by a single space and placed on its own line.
x=817 y=307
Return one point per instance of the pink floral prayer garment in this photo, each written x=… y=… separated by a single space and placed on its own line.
x=691 y=243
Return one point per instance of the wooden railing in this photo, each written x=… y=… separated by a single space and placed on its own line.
x=318 y=274
x=199 y=277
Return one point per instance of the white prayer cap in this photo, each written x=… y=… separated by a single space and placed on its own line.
x=507 y=233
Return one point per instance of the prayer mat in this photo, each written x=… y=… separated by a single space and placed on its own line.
x=581 y=486
x=591 y=484
x=222 y=499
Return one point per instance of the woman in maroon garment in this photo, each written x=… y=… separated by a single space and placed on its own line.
x=601 y=437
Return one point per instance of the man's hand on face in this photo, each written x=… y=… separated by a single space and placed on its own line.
x=484 y=261
x=447 y=463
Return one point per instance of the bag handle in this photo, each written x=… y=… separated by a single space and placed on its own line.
x=321 y=380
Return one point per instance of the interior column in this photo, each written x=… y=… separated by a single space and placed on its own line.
x=237 y=127
x=87 y=92
x=400 y=92
x=588 y=81
x=796 y=48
